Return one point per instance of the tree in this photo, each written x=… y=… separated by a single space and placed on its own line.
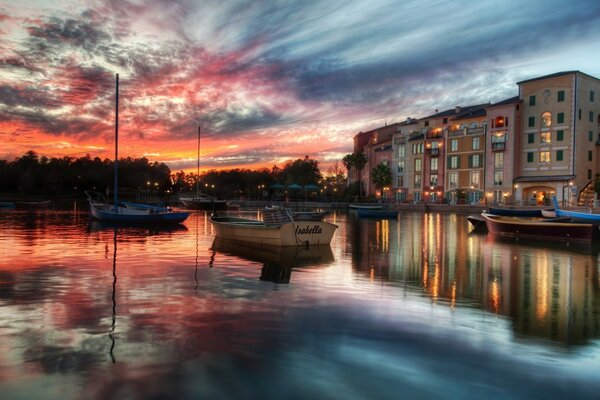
x=302 y=172
x=356 y=160
x=381 y=176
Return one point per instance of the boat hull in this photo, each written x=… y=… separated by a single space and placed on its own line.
x=107 y=213
x=516 y=212
x=203 y=204
x=365 y=206
x=295 y=233
x=507 y=226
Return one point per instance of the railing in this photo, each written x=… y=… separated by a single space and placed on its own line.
x=457 y=132
x=499 y=146
x=434 y=152
x=434 y=135
x=475 y=131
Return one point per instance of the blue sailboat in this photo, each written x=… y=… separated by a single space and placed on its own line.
x=117 y=212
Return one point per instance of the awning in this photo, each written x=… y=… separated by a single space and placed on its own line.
x=294 y=186
x=310 y=186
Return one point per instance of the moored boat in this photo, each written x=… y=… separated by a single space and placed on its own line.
x=365 y=206
x=515 y=212
x=579 y=216
x=277 y=229
x=203 y=201
x=7 y=204
x=514 y=226
x=549 y=213
x=478 y=222
x=309 y=215
x=382 y=214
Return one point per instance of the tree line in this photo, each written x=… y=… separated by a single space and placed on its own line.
x=35 y=174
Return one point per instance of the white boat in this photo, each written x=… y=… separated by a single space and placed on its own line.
x=116 y=212
x=202 y=201
x=277 y=229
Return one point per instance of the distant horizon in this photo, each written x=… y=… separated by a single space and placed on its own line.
x=267 y=82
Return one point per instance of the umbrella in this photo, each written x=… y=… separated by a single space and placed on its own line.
x=294 y=186
x=310 y=186
x=276 y=186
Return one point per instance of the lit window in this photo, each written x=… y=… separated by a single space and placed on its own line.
x=546 y=120
x=453 y=145
x=433 y=180
x=453 y=179
x=499 y=122
x=475 y=143
x=417 y=181
x=498 y=160
x=475 y=179
x=498 y=178
x=544 y=156
x=545 y=137
x=434 y=164
x=418 y=162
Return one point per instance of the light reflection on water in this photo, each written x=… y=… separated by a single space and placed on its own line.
x=416 y=307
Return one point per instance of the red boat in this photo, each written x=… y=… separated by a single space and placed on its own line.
x=521 y=227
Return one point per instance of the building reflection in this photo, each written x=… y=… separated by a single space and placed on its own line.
x=550 y=291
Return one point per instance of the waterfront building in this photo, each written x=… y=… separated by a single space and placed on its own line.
x=501 y=146
x=434 y=129
x=560 y=127
x=465 y=155
x=400 y=153
x=414 y=165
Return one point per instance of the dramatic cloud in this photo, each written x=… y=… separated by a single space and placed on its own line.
x=267 y=81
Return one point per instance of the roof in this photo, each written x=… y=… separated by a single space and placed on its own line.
x=549 y=178
x=555 y=75
x=472 y=111
x=510 y=100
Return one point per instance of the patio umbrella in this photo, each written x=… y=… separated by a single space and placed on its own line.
x=294 y=186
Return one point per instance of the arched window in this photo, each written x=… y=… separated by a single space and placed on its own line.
x=546 y=120
x=473 y=125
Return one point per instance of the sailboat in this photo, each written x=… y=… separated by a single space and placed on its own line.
x=116 y=212
x=202 y=201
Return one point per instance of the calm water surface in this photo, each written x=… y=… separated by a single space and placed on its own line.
x=417 y=307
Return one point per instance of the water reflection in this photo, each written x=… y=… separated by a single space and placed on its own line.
x=278 y=262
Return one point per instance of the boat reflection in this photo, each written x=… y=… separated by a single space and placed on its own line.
x=141 y=230
x=277 y=261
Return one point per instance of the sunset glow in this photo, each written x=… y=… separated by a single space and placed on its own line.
x=266 y=81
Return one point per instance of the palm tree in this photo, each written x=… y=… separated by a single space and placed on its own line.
x=356 y=160
x=381 y=176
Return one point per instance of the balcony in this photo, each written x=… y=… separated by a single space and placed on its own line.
x=433 y=152
x=456 y=132
x=437 y=134
x=499 y=146
x=476 y=131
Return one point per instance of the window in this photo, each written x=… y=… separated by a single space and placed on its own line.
x=453 y=145
x=453 y=179
x=445 y=121
x=475 y=143
x=529 y=156
x=433 y=180
x=498 y=178
x=561 y=95
x=475 y=179
x=559 y=155
x=530 y=138
x=418 y=163
x=453 y=162
x=401 y=181
x=544 y=156
x=545 y=137
x=591 y=136
x=560 y=135
x=546 y=119
x=474 y=161
x=532 y=100
x=592 y=96
x=579 y=116
x=498 y=160
x=417 y=181
x=401 y=151
x=434 y=164
x=589 y=155
x=417 y=148
x=589 y=174
x=531 y=122
x=426 y=123
x=498 y=122
x=591 y=116
x=401 y=166
x=560 y=118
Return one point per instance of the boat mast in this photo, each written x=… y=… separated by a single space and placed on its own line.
x=116 y=144
x=198 y=167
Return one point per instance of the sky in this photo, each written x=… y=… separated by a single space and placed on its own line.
x=266 y=81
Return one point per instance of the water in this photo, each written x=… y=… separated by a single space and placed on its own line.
x=414 y=308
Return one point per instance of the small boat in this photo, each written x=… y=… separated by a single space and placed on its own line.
x=549 y=213
x=277 y=229
x=365 y=206
x=144 y=206
x=522 y=227
x=309 y=215
x=203 y=201
x=516 y=212
x=7 y=204
x=381 y=214
x=33 y=204
x=101 y=210
x=478 y=222
x=578 y=216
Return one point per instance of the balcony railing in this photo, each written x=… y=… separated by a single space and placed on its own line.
x=434 y=134
x=475 y=131
x=456 y=132
x=500 y=146
x=433 y=152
